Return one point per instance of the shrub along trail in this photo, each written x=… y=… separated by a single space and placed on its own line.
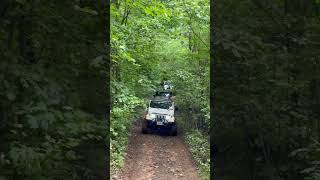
x=151 y=156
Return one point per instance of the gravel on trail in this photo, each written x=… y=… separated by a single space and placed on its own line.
x=155 y=157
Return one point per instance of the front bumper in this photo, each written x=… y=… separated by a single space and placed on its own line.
x=152 y=124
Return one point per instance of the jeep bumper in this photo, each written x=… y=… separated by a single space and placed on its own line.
x=154 y=125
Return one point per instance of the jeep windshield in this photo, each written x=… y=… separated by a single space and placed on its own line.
x=163 y=94
x=161 y=104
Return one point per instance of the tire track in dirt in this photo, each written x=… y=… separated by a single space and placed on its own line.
x=154 y=157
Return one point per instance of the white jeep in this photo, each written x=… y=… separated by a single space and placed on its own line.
x=160 y=117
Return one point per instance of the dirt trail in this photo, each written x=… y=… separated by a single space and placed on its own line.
x=155 y=157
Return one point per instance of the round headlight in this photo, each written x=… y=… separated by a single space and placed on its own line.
x=170 y=118
x=150 y=116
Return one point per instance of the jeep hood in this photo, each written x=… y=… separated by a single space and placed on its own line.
x=161 y=111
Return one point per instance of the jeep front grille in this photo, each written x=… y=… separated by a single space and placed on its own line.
x=160 y=117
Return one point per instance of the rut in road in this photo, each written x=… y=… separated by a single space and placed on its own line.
x=155 y=157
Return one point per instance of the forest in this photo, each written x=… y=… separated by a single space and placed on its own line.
x=53 y=67
x=246 y=75
x=154 y=41
x=266 y=89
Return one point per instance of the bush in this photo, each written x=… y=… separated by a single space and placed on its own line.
x=311 y=156
x=200 y=149
x=125 y=106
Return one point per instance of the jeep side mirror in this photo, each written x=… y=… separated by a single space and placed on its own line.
x=176 y=109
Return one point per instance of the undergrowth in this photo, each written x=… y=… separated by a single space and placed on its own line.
x=200 y=149
x=124 y=111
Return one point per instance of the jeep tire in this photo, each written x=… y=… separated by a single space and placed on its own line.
x=174 y=131
x=145 y=129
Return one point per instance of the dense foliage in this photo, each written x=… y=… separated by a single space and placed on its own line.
x=52 y=92
x=200 y=147
x=152 y=41
x=267 y=89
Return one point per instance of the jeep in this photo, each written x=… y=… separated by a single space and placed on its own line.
x=160 y=117
x=163 y=94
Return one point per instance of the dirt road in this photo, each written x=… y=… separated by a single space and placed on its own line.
x=155 y=157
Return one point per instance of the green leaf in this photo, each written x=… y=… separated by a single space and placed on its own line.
x=21 y=1
x=71 y=155
x=235 y=52
x=86 y=10
x=33 y=122
x=11 y=96
x=308 y=170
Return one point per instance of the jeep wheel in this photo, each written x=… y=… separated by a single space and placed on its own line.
x=174 y=132
x=145 y=130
